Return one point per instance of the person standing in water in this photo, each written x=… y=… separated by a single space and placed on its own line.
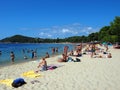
x=0 y=53
x=12 y=56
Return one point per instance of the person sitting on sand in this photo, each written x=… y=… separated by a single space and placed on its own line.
x=71 y=53
x=47 y=55
x=63 y=59
x=42 y=65
x=78 y=53
x=109 y=55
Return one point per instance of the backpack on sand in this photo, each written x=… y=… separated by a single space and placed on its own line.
x=18 y=82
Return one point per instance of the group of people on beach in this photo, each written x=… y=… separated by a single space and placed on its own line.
x=12 y=56
x=64 y=58
x=43 y=63
x=89 y=49
x=97 y=52
x=32 y=52
x=66 y=54
x=54 y=50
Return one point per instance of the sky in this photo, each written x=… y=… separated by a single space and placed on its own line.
x=55 y=18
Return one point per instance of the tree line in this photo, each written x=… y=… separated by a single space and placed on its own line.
x=109 y=33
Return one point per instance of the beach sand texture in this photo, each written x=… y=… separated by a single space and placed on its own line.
x=89 y=74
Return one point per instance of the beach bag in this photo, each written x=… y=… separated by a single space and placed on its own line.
x=18 y=82
x=77 y=60
x=69 y=59
x=104 y=53
x=79 y=55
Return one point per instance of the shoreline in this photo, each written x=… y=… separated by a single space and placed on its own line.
x=25 y=61
x=19 y=55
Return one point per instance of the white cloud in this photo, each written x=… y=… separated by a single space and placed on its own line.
x=45 y=35
x=49 y=35
x=42 y=33
x=75 y=29
x=65 y=30
x=89 y=28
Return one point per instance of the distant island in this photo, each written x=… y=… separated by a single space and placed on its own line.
x=107 y=33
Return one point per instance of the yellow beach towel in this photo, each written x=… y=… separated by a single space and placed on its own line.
x=7 y=82
x=31 y=74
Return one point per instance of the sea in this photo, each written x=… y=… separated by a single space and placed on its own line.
x=25 y=50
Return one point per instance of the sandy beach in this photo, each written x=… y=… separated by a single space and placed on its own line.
x=89 y=74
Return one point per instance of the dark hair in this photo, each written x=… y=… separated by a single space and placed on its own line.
x=11 y=51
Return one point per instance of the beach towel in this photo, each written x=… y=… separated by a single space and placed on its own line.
x=7 y=82
x=31 y=74
x=52 y=66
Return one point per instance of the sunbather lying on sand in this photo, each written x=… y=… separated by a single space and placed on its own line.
x=104 y=56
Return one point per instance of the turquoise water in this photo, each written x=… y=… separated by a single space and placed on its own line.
x=21 y=50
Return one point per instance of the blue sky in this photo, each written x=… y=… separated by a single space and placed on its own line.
x=55 y=18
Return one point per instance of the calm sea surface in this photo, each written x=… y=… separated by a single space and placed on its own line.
x=21 y=50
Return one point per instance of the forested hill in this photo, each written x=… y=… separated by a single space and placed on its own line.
x=19 y=39
x=109 y=33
